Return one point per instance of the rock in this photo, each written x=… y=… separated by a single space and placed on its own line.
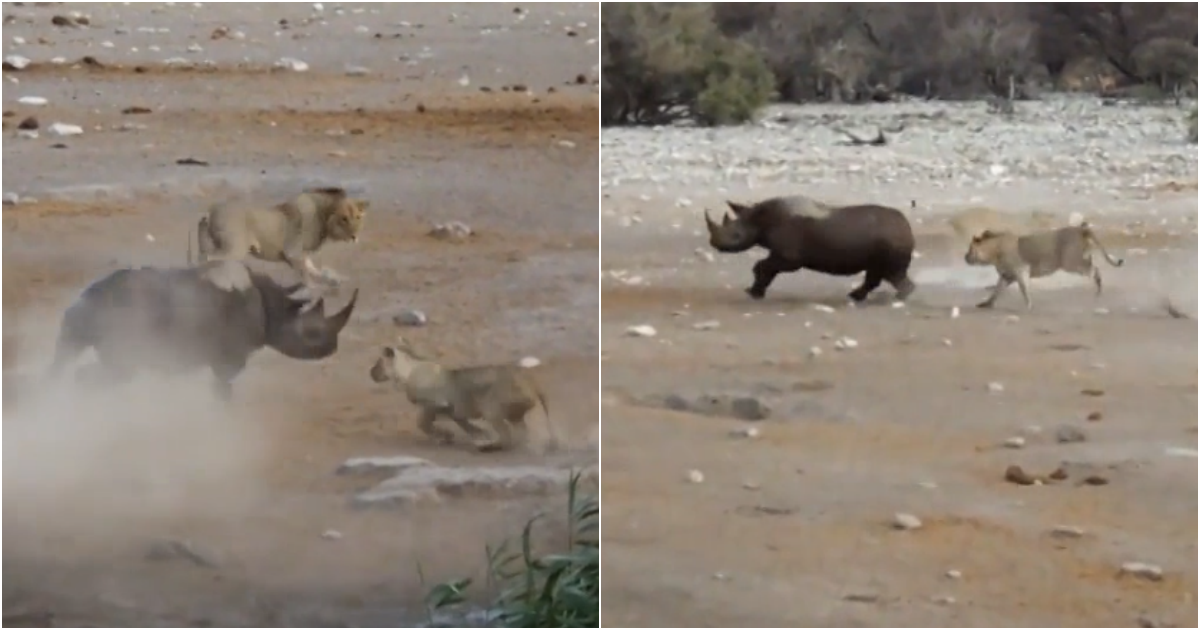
x=1178 y=451
x=749 y=408
x=1093 y=392
x=1016 y=474
x=357 y=71
x=171 y=549
x=954 y=574
x=995 y=387
x=452 y=231
x=1067 y=434
x=1066 y=531
x=410 y=317
x=1151 y=572
x=695 y=476
x=431 y=483
x=1095 y=480
x=63 y=129
x=28 y=124
x=711 y=324
x=643 y=330
x=1095 y=416
x=676 y=402
x=846 y=343
x=944 y=600
x=1014 y=442
x=823 y=308
x=954 y=313
x=745 y=432
x=862 y=598
x=11 y=199
x=529 y=362
x=391 y=464
x=331 y=534
x=290 y=63
x=906 y=522
x=814 y=352
x=36 y=101
x=16 y=62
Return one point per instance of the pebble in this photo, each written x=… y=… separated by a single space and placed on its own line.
x=17 y=61
x=529 y=362
x=1151 y=572
x=642 y=330
x=1014 y=442
x=410 y=317
x=1068 y=434
x=357 y=71
x=954 y=574
x=846 y=343
x=1066 y=531
x=331 y=534
x=823 y=308
x=32 y=100
x=291 y=63
x=954 y=313
x=749 y=408
x=745 y=432
x=814 y=352
x=905 y=521
x=995 y=387
x=695 y=476
x=64 y=129
x=944 y=600
x=711 y=324
x=1176 y=451
x=11 y=199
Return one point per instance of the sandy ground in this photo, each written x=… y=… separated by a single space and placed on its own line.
x=793 y=527
x=382 y=110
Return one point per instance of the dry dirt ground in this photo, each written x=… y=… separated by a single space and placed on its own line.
x=794 y=527
x=89 y=485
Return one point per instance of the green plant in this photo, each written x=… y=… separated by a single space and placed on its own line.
x=551 y=591
x=1192 y=126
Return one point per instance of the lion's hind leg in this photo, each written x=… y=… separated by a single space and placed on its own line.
x=428 y=417
x=497 y=417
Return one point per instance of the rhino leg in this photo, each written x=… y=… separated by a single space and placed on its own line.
x=871 y=282
x=223 y=376
x=765 y=271
x=904 y=287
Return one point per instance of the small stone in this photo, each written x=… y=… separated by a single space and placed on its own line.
x=16 y=62
x=566 y=144
x=1093 y=392
x=357 y=71
x=745 y=432
x=1143 y=570
x=32 y=100
x=995 y=387
x=1101 y=311
x=643 y=330
x=331 y=534
x=862 y=598
x=64 y=129
x=749 y=408
x=695 y=476
x=954 y=313
x=1075 y=219
x=1016 y=474
x=182 y=549
x=1178 y=451
x=195 y=48
x=944 y=600
x=452 y=231
x=11 y=199
x=947 y=343
x=1095 y=480
x=906 y=522
x=954 y=574
x=1012 y=319
x=1068 y=434
x=529 y=362
x=29 y=123
x=711 y=324
x=1095 y=416
x=1014 y=442
x=846 y=343
x=823 y=308
x=1066 y=531
x=290 y=63
x=814 y=352
x=410 y=317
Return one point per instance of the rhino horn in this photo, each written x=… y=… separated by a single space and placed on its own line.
x=712 y=225
x=738 y=208
x=337 y=322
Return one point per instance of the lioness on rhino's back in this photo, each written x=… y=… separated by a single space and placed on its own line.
x=288 y=232
x=800 y=233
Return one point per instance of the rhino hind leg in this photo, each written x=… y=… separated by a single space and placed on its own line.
x=904 y=286
x=871 y=282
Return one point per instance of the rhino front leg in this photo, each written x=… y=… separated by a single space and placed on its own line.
x=765 y=271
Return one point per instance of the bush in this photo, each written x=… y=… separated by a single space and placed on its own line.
x=551 y=591
x=665 y=62
x=1192 y=126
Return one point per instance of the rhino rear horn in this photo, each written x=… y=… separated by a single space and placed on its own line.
x=738 y=209
x=338 y=321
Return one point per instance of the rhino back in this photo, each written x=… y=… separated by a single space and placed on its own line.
x=846 y=241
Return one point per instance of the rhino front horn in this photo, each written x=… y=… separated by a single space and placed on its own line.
x=712 y=225
x=338 y=321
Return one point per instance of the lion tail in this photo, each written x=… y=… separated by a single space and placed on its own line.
x=1091 y=238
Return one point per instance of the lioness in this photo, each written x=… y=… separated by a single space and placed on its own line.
x=501 y=395
x=288 y=232
x=1018 y=258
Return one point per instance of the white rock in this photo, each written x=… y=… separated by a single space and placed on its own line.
x=18 y=41
x=318 y=7
x=361 y=30
x=823 y=308
x=1101 y=311
x=995 y=387
x=1176 y=451
x=954 y=313
x=846 y=343
x=902 y=520
x=63 y=129
x=711 y=324
x=747 y=432
x=331 y=534
x=1075 y=219
x=195 y=48
x=695 y=476
x=17 y=61
x=814 y=352
x=357 y=71
x=1012 y=319
x=32 y=100
x=149 y=238
x=643 y=330
x=1066 y=531
x=11 y=199
x=1150 y=572
x=954 y=574
x=947 y=343
x=529 y=362
x=1014 y=442
x=291 y=63
x=944 y=600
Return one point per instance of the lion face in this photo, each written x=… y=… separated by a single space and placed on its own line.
x=394 y=362
x=984 y=249
x=346 y=220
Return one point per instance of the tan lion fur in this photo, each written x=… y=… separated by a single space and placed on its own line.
x=288 y=232
x=501 y=395
x=1020 y=258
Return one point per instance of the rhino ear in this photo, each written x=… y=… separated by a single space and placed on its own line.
x=738 y=209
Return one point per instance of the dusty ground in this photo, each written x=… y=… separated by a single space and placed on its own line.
x=89 y=485
x=793 y=527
